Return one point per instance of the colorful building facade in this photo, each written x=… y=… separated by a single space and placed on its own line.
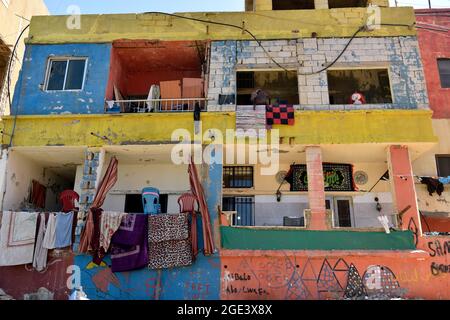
x=83 y=98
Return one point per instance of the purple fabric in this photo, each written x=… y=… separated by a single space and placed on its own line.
x=129 y=245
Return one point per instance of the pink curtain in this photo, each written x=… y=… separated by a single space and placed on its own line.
x=108 y=181
x=197 y=190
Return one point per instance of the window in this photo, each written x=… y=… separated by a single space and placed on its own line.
x=238 y=177
x=65 y=74
x=443 y=165
x=292 y=4
x=332 y=4
x=245 y=208
x=133 y=203
x=444 y=72
x=373 y=84
x=6 y=3
x=280 y=86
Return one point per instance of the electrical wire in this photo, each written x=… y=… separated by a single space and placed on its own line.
x=8 y=83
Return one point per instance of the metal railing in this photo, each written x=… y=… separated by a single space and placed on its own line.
x=155 y=105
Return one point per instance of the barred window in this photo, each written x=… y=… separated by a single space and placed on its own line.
x=238 y=177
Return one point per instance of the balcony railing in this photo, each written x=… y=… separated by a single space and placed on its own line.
x=155 y=105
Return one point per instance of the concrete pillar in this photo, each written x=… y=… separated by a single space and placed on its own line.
x=403 y=189
x=316 y=188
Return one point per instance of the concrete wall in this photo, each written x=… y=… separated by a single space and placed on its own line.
x=20 y=171
x=31 y=99
x=169 y=179
x=400 y=55
x=10 y=29
x=426 y=166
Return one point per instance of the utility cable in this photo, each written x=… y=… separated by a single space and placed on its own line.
x=9 y=82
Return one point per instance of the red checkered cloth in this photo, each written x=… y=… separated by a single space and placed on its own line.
x=282 y=114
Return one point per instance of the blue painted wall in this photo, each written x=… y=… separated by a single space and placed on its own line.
x=31 y=99
x=200 y=281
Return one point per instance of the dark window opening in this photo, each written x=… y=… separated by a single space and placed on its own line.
x=133 y=203
x=344 y=213
x=335 y=4
x=245 y=207
x=238 y=177
x=443 y=165
x=280 y=86
x=444 y=72
x=66 y=74
x=373 y=85
x=292 y=4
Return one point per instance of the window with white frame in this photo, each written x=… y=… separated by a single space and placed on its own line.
x=65 y=74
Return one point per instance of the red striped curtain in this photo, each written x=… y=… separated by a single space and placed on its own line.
x=108 y=181
x=197 y=190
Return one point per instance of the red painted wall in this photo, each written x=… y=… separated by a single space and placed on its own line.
x=435 y=44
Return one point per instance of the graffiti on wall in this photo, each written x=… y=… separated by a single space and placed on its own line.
x=439 y=249
x=286 y=278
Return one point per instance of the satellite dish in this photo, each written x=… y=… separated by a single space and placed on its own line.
x=280 y=177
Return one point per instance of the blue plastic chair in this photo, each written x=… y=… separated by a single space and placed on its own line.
x=150 y=201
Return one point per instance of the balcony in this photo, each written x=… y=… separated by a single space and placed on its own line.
x=156 y=76
x=155 y=105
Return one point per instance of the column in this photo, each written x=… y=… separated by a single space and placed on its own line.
x=316 y=188
x=403 y=189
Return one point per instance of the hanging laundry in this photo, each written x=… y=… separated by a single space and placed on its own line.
x=433 y=185
x=64 y=222
x=169 y=242
x=282 y=114
x=50 y=233
x=110 y=222
x=166 y=227
x=445 y=180
x=38 y=192
x=170 y=254
x=40 y=253
x=129 y=245
x=17 y=238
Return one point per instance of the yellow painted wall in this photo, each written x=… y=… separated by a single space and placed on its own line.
x=264 y=25
x=311 y=127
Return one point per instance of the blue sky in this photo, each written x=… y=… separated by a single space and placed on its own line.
x=123 y=6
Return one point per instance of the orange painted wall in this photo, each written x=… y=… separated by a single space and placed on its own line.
x=310 y=275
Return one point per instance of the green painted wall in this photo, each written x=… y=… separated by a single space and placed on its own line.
x=273 y=239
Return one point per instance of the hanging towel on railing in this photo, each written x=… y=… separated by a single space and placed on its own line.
x=40 y=253
x=17 y=238
x=110 y=222
x=169 y=242
x=50 y=232
x=282 y=114
x=64 y=223
x=129 y=245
